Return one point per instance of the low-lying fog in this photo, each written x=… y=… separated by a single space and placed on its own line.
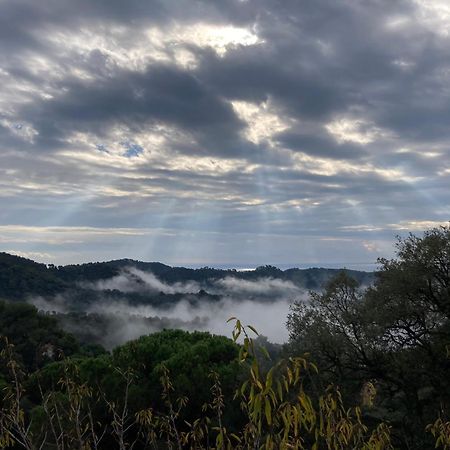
x=261 y=302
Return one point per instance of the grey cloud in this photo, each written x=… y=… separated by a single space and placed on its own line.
x=320 y=145
x=332 y=57
x=163 y=93
x=318 y=61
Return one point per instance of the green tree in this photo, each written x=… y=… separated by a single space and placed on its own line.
x=393 y=336
x=37 y=337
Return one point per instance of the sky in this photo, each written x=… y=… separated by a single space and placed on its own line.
x=231 y=132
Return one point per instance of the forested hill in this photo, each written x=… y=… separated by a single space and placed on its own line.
x=21 y=277
x=109 y=303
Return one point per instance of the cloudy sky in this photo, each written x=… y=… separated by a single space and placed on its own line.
x=240 y=132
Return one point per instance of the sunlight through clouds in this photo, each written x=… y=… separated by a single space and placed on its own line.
x=354 y=130
x=218 y=37
x=156 y=44
x=262 y=120
x=435 y=14
x=239 y=131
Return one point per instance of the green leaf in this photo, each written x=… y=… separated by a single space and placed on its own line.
x=268 y=411
x=253 y=329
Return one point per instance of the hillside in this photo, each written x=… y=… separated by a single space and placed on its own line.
x=109 y=303
x=21 y=278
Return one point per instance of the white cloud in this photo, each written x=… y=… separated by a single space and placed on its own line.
x=260 y=286
x=156 y=44
x=135 y=280
x=263 y=120
x=435 y=15
x=221 y=38
x=358 y=131
x=23 y=130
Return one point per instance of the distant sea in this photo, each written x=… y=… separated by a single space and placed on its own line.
x=363 y=266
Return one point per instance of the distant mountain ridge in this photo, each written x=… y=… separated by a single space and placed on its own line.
x=21 y=277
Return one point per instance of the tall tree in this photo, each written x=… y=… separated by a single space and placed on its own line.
x=395 y=335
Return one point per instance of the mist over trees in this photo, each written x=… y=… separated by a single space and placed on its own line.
x=366 y=366
x=112 y=302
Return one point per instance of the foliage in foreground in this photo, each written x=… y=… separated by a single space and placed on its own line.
x=394 y=334
x=278 y=413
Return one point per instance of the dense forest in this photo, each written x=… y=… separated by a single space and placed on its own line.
x=21 y=278
x=112 y=302
x=367 y=364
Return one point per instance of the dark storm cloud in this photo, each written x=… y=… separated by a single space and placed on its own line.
x=320 y=145
x=257 y=74
x=325 y=58
x=163 y=94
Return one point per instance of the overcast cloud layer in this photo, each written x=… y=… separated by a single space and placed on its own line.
x=240 y=132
